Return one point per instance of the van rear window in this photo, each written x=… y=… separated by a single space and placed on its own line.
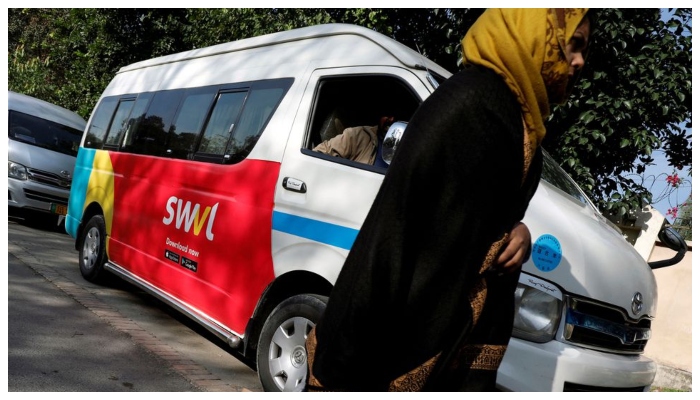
x=43 y=133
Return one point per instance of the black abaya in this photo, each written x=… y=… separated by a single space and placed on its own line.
x=407 y=289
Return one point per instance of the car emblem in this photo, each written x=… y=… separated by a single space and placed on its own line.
x=65 y=174
x=637 y=303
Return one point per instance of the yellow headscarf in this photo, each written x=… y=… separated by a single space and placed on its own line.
x=527 y=47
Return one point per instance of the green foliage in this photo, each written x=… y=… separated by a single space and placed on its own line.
x=30 y=60
x=206 y=27
x=634 y=95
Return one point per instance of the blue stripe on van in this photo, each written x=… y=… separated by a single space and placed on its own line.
x=334 y=235
x=79 y=187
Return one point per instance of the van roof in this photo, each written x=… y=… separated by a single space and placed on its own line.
x=402 y=53
x=43 y=109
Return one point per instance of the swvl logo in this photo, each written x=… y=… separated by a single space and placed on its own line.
x=189 y=216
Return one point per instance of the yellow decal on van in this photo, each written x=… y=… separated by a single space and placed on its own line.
x=101 y=189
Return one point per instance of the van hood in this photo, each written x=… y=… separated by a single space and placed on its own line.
x=40 y=158
x=576 y=249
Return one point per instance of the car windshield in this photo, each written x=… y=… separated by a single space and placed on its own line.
x=42 y=133
x=555 y=175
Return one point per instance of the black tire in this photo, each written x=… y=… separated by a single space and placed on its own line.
x=93 y=252
x=281 y=356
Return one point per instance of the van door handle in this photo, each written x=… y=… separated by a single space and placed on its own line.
x=293 y=184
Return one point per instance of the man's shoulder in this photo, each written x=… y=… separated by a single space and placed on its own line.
x=360 y=130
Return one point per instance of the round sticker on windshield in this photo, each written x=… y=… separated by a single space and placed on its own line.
x=546 y=253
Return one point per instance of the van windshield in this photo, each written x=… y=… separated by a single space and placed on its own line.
x=42 y=133
x=555 y=175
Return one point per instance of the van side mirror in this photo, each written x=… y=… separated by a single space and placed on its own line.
x=673 y=240
x=391 y=140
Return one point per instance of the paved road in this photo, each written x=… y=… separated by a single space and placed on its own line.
x=66 y=334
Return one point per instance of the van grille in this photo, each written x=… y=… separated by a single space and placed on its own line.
x=605 y=328
x=48 y=178
x=39 y=196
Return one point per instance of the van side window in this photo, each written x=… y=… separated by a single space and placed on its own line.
x=150 y=135
x=217 y=124
x=357 y=101
x=257 y=111
x=138 y=113
x=221 y=123
x=119 y=123
x=100 y=122
x=188 y=123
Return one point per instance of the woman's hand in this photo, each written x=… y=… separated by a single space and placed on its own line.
x=516 y=250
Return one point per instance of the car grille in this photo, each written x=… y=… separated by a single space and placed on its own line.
x=47 y=178
x=605 y=328
x=39 y=196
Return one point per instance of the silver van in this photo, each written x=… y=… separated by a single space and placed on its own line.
x=43 y=141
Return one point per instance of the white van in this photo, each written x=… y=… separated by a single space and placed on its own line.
x=199 y=184
x=43 y=141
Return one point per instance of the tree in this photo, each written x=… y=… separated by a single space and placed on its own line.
x=684 y=222
x=80 y=50
x=30 y=57
x=635 y=98
x=206 y=27
x=634 y=95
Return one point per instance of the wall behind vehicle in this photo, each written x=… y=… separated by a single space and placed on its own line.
x=671 y=341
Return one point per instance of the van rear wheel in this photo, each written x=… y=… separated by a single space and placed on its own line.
x=93 y=252
x=281 y=355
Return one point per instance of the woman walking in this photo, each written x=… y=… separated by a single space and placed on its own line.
x=425 y=298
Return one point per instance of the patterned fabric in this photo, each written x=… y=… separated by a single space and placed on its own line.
x=414 y=380
x=312 y=384
x=526 y=46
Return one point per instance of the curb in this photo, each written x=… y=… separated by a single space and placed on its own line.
x=673 y=378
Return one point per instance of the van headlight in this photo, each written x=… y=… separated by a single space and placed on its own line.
x=17 y=171
x=537 y=314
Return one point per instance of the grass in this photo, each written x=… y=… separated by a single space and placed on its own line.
x=664 y=389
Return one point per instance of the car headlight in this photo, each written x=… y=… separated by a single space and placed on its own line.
x=537 y=314
x=17 y=171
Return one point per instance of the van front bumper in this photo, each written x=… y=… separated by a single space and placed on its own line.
x=559 y=367
x=30 y=195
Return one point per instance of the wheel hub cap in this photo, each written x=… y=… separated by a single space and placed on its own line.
x=298 y=356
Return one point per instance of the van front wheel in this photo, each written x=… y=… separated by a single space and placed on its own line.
x=93 y=253
x=281 y=355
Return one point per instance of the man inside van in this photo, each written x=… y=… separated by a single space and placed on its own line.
x=359 y=143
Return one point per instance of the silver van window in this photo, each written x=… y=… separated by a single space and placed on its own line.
x=42 y=133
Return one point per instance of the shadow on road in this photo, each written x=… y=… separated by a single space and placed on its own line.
x=36 y=220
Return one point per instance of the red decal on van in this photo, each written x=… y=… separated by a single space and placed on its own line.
x=209 y=229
